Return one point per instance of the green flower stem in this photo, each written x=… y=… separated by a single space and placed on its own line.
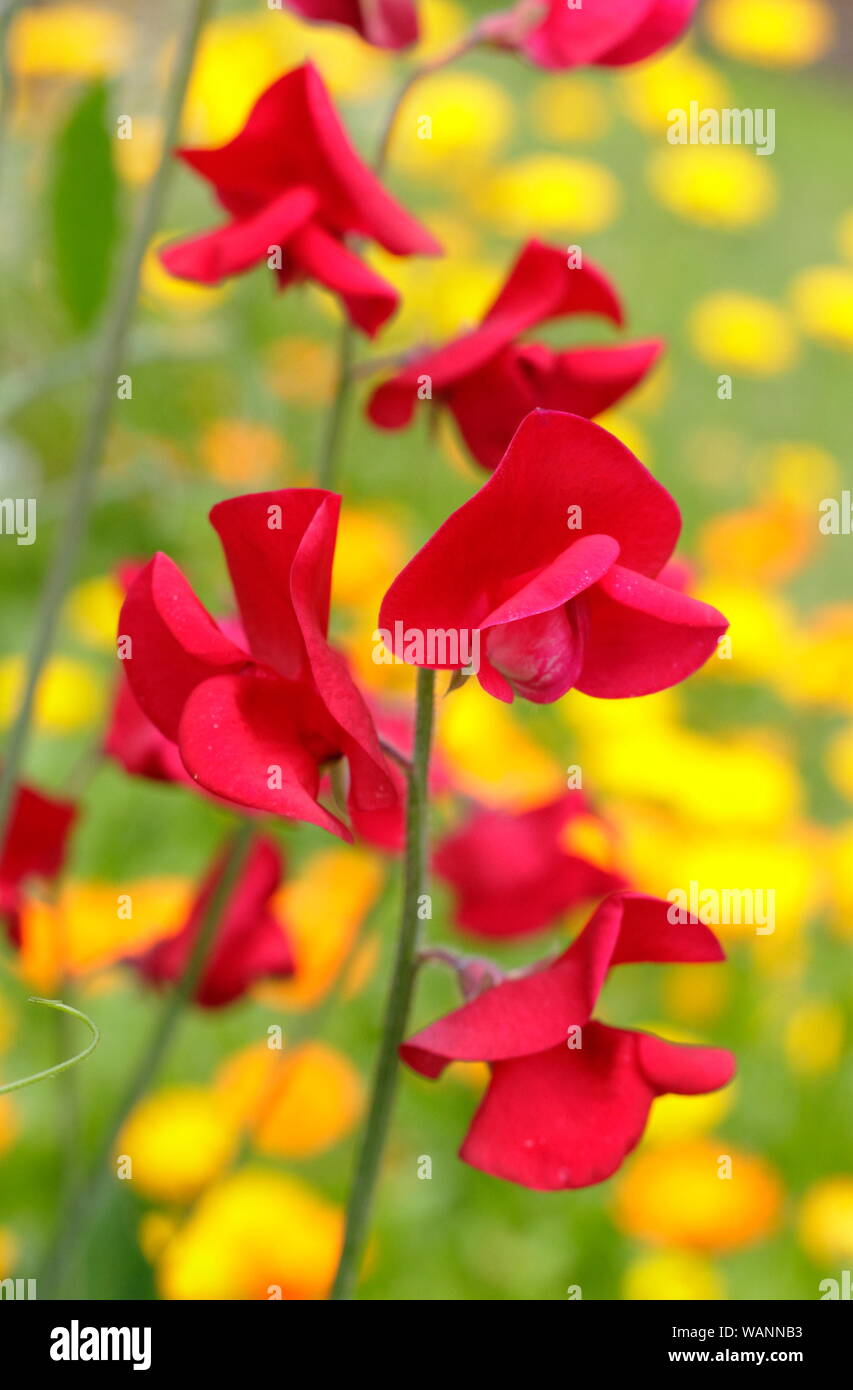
x=87 y=460
x=86 y=1199
x=399 y=998
x=59 y=1067
x=327 y=466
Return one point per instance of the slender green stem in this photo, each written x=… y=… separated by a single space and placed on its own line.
x=399 y=998
x=86 y=463
x=86 y=1199
x=327 y=466
x=59 y=1067
x=412 y=77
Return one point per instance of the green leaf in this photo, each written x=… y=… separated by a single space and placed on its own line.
x=84 y=206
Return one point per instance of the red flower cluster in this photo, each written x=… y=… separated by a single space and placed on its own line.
x=512 y=874
x=294 y=189
x=489 y=380
x=250 y=943
x=256 y=717
x=569 y=1096
x=554 y=566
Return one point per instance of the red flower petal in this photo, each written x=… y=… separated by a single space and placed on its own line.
x=175 y=643
x=369 y=299
x=239 y=739
x=242 y=243
x=383 y=23
x=644 y=636
x=665 y=22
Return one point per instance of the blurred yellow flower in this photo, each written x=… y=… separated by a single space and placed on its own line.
x=301 y=371
x=826 y=1219
x=324 y=904
x=294 y=1104
x=822 y=299
x=798 y=472
x=626 y=432
x=814 y=1037
x=570 y=108
x=490 y=755
x=70 y=695
x=839 y=761
x=92 y=925
x=722 y=186
x=255 y=1235
x=674 y=1118
x=449 y=124
x=68 y=41
x=8 y=1253
x=740 y=332
x=8 y=1123
x=678 y=1195
x=137 y=157
x=92 y=610
x=671 y=1274
x=370 y=550
x=441 y=22
x=243 y=453
x=439 y=298
x=551 y=193
x=238 y=57
x=838 y=860
x=669 y=82
x=819 y=665
x=177 y=1141
x=766 y=543
x=762 y=639
x=696 y=996
x=778 y=33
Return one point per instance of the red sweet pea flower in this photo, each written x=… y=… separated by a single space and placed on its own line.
x=35 y=843
x=569 y=1097
x=137 y=744
x=547 y=576
x=291 y=180
x=510 y=872
x=384 y=23
x=257 y=721
x=610 y=33
x=250 y=943
x=489 y=380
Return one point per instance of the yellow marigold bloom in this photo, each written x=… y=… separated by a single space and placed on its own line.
x=301 y=371
x=762 y=637
x=8 y=1123
x=739 y=332
x=178 y=1140
x=670 y=81
x=675 y=1195
x=439 y=298
x=137 y=157
x=440 y=22
x=826 y=1219
x=814 y=1037
x=671 y=1274
x=797 y=473
x=324 y=904
x=240 y=451
x=572 y=108
x=819 y=669
x=92 y=925
x=69 y=696
x=491 y=756
x=553 y=193
x=68 y=41
x=839 y=761
x=722 y=186
x=775 y=33
x=92 y=610
x=370 y=550
x=822 y=298
x=238 y=57
x=255 y=1235
x=449 y=124
x=294 y=1104
x=766 y=543
x=675 y=1118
